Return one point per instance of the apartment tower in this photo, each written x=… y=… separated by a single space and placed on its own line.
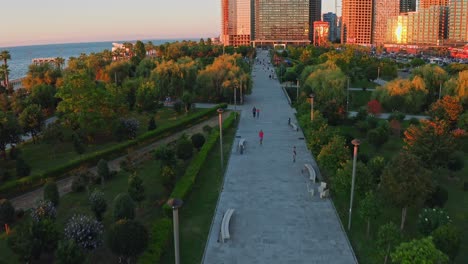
x=458 y=21
x=236 y=22
x=332 y=21
x=357 y=22
x=383 y=10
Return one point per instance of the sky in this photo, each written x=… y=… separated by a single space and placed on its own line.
x=28 y=22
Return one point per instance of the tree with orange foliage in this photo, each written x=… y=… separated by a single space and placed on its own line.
x=448 y=108
x=431 y=141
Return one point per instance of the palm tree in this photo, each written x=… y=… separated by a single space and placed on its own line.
x=5 y=56
x=59 y=61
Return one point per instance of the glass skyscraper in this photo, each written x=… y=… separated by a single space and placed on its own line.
x=236 y=22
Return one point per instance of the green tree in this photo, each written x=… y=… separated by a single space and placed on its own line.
x=369 y=209
x=5 y=56
x=51 y=193
x=127 y=239
x=166 y=155
x=198 y=140
x=420 y=251
x=32 y=120
x=44 y=95
x=388 y=237
x=136 y=190
x=187 y=99
x=433 y=77
x=403 y=95
x=10 y=131
x=333 y=154
x=405 y=182
x=124 y=207
x=447 y=239
x=140 y=50
x=7 y=213
x=103 y=170
x=341 y=182
x=152 y=124
x=184 y=148
x=68 y=252
x=147 y=97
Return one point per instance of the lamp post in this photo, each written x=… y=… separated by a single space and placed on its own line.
x=378 y=73
x=176 y=204
x=347 y=97
x=235 y=97
x=440 y=89
x=356 y=143
x=297 y=90
x=220 y=118
x=312 y=107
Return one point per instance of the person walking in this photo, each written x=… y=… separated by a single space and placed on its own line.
x=260 y=135
x=254 y=111
x=258 y=112
x=294 y=154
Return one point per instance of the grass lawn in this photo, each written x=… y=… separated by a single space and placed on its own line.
x=198 y=209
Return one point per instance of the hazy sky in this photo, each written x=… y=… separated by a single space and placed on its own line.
x=26 y=22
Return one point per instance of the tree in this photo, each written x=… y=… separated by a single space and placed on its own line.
x=44 y=95
x=5 y=56
x=152 y=124
x=374 y=107
x=140 y=50
x=43 y=210
x=431 y=141
x=433 y=76
x=187 y=99
x=402 y=94
x=84 y=231
x=10 y=131
x=341 y=182
x=7 y=213
x=430 y=219
x=198 y=140
x=136 y=190
x=127 y=128
x=147 y=97
x=405 y=182
x=184 y=148
x=32 y=120
x=68 y=252
x=22 y=168
x=448 y=108
x=166 y=155
x=98 y=203
x=51 y=192
x=369 y=208
x=127 y=238
x=124 y=208
x=420 y=251
x=447 y=239
x=78 y=143
x=388 y=237
x=333 y=154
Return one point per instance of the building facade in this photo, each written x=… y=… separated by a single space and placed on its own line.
x=332 y=21
x=429 y=3
x=407 y=6
x=321 y=32
x=236 y=22
x=383 y=9
x=315 y=14
x=279 y=21
x=458 y=21
x=357 y=22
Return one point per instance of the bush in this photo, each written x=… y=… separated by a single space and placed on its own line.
x=98 y=203
x=68 y=252
x=14 y=153
x=184 y=148
x=372 y=121
x=152 y=124
x=431 y=218
x=414 y=121
x=84 y=231
x=456 y=161
x=362 y=126
x=465 y=186
x=51 y=192
x=7 y=213
x=78 y=143
x=397 y=116
x=22 y=168
x=4 y=175
x=136 y=190
x=207 y=129
x=44 y=210
x=127 y=128
x=376 y=166
x=361 y=114
x=79 y=183
x=124 y=207
x=363 y=157
x=198 y=140
x=103 y=169
x=127 y=238
x=178 y=107
x=166 y=155
x=19 y=213
x=437 y=198
x=159 y=239
x=377 y=137
x=447 y=239
x=168 y=177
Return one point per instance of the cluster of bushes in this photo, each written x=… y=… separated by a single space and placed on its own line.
x=14 y=187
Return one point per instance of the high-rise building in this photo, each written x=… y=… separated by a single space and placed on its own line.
x=458 y=21
x=383 y=9
x=236 y=22
x=332 y=21
x=357 y=21
x=321 y=31
x=407 y=6
x=280 y=21
x=315 y=13
x=429 y=3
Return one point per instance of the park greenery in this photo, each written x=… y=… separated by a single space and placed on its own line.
x=403 y=165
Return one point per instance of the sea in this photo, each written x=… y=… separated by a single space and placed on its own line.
x=21 y=57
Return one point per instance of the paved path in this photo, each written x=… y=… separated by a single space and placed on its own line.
x=275 y=220
x=28 y=200
x=387 y=115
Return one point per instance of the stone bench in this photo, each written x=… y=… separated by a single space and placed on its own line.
x=311 y=171
x=294 y=126
x=225 y=225
x=241 y=146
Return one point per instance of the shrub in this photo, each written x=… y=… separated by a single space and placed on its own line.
x=430 y=219
x=127 y=238
x=372 y=121
x=84 y=231
x=361 y=114
x=414 y=121
x=7 y=213
x=166 y=155
x=152 y=124
x=19 y=213
x=447 y=239
x=397 y=116
x=376 y=165
x=184 y=148
x=362 y=126
x=136 y=190
x=374 y=107
x=103 y=169
x=198 y=140
x=159 y=239
x=14 y=153
x=22 y=168
x=207 y=129
x=456 y=161
x=44 y=210
x=68 y=252
x=168 y=177
x=437 y=198
x=377 y=137
x=363 y=157
x=178 y=107
x=78 y=143
x=51 y=192
x=98 y=203
x=45 y=236
x=79 y=183
x=127 y=128
x=124 y=208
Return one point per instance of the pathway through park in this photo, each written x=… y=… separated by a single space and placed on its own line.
x=275 y=219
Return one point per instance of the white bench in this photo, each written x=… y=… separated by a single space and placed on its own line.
x=324 y=194
x=225 y=224
x=241 y=146
x=311 y=171
x=311 y=190
x=322 y=189
x=294 y=126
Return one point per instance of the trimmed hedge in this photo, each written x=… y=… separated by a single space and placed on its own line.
x=162 y=228
x=24 y=184
x=160 y=235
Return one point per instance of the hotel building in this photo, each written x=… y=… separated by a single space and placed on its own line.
x=236 y=22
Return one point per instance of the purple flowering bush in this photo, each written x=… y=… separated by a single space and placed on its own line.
x=44 y=209
x=85 y=231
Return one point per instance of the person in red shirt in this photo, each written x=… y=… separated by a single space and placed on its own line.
x=260 y=135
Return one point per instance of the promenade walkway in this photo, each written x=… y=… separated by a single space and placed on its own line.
x=275 y=219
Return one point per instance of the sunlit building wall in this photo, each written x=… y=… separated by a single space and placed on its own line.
x=236 y=22
x=321 y=31
x=279 y=21
x=383 y=9
x=357 y=21
x=458 y=21
x=397 y=30
x=429 y=3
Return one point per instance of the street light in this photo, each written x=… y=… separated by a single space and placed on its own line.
x=176 y=204
x=356 y=143
x=378 y=73
x=347 y=97
x=312 y=107
x=220 y=118
x=235 y=97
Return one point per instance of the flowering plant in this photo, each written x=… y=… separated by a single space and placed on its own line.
x=431 y=218
x=85 y=231
x=44 y=209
